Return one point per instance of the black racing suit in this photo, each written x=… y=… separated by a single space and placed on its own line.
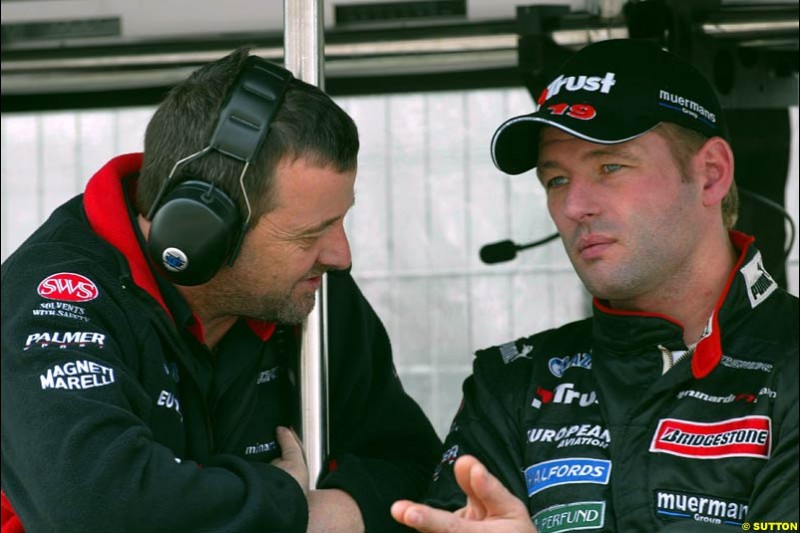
x=593 y=428
x=114 y=419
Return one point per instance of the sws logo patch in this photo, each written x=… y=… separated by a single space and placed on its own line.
x=549 y=474
x=749 y=436
x=67 y=287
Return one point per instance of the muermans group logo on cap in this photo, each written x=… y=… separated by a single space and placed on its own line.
x=578 y=83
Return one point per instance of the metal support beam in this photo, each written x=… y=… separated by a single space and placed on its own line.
x=303 y=53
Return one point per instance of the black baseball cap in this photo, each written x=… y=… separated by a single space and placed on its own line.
x=612 y=92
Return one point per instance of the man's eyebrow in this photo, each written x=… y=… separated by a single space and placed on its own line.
x=612 y=151
x=321 y=226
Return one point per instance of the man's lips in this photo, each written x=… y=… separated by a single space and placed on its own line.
x=593 y=246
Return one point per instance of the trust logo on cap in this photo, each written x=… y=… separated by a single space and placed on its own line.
x=578 y=83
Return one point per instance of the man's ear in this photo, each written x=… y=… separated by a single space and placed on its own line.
x=713 y=166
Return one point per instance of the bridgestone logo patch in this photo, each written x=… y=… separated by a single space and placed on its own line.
x=570 y=517
x=750 y=436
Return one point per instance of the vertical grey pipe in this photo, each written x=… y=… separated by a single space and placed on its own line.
x=303 y=55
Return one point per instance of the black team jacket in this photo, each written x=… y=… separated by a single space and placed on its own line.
x=594 y=429
x=115 y=419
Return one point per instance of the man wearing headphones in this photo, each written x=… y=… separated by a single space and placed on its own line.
x=675 y=407
x=149 y=338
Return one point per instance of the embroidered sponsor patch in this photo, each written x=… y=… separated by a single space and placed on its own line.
x=265 y=376
x=570 y=517
x=549 y=474
x=564 y=393
x=671 y=505
x=168 y=400
x=62 y=310
x=68 y=287
x=509 y=351
x=264 y=447
x=740 y=364
x=577 y=435
x=559 y=365
x=448 y=458
x=757 y=280
x=65 y=339
x=77 y=375
x=749 y=436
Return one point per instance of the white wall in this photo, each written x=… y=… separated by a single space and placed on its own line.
x=427 y=198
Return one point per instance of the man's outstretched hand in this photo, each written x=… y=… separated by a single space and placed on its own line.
x=490 y=508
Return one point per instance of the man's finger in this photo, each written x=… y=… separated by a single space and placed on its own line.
x=429 y=520
x=291 y=450
x=496 y=499
x=475 y=509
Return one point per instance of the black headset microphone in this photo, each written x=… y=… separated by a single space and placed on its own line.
x=195 y=226
x=502 y=251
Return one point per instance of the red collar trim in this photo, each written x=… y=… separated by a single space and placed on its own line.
x=107 y=212
x=708 y=352
x=264 y=330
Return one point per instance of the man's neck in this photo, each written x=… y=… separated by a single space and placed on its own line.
x=214 y=326
x=690 y=298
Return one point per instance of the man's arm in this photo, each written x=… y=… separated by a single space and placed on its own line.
x=383 y=448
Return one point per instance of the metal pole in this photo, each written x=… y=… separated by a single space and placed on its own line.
x=303 y=53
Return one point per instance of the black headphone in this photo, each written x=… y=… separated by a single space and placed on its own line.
x=195 y=225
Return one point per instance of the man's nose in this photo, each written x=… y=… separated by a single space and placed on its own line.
x=335 y=253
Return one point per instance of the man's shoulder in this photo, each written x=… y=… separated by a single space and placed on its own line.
x=537 y=349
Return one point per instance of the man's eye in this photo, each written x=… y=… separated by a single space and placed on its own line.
x=554 y=183
x=611 y=167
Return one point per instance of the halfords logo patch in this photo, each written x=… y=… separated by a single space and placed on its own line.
x=549 y=474
x=77 y=375
x=559 y=365
x=749 y=436
x=674 y=505
x=578 y=83
x=577 y=435
x=68 y=287
x=65 y=339
x=570 y=517
x=759 y=283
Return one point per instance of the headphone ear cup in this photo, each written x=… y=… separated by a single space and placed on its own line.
x=193 y=232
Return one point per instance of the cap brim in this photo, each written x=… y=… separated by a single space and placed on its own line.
x=515 y=144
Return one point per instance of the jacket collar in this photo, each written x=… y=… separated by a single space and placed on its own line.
x=107 y=212
x=747 y=286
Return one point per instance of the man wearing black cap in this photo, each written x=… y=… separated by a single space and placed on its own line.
x=675 y=407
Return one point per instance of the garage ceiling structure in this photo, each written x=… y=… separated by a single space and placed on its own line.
x=90 y=53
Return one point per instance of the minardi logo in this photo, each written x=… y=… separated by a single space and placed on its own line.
x=674 y=505
x=578 y=83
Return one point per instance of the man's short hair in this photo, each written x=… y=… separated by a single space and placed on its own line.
x=684 y=144
x=308 y=124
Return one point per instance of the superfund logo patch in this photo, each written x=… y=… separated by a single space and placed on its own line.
x=68 y=287
x=549 y=474
x=570 y=517
x=749 y=436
